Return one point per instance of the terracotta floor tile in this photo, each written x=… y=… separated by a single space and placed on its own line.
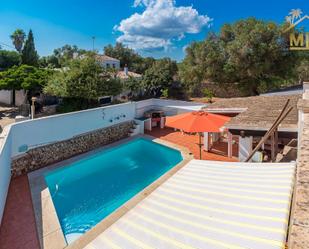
x=218 y=153
x=18 y=228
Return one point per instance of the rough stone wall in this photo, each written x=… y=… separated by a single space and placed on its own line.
x=299 y=223
x=45 y=155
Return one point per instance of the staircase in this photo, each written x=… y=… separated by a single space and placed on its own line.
x=136 y=129
x=289 y=152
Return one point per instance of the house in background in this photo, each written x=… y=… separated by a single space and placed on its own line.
x=126 y=74
x=108 y=62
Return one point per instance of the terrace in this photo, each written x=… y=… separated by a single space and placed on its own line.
x=31 y=145
x=219 y=150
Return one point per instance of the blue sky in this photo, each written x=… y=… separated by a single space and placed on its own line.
x=153 y=27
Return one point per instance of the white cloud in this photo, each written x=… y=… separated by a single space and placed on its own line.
x=142 y=2
x=160 y=24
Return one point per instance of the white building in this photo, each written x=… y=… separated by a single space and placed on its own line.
x=108 y=62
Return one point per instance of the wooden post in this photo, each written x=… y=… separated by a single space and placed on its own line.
x=33 y=99
x=200 y=144
x=281 y=117
x=276 y=142
x=272 y=147
x=229 y=144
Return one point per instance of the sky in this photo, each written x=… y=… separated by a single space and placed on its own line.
x=157 y=28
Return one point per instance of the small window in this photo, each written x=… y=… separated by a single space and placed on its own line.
x=114 y=65
x=107 y=65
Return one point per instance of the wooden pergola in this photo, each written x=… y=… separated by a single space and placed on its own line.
x=272 y=133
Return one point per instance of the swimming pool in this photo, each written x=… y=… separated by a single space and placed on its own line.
x=87 y=191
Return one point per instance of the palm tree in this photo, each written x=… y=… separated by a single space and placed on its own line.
x=298 y=13
x=295 y=13
x=288 y=19
x=18 y=38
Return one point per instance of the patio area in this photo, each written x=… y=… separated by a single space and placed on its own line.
x=218 y=151
x=18 y=229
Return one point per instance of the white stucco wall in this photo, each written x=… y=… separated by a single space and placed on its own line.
x=20 y=97
x=111 y=63
x=6 y=97
x=5 y=167
x=170 y=107
x=46 y=130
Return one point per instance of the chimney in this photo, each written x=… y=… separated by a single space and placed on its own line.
x=125 y=69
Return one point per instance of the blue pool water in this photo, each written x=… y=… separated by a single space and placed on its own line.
x=86 y=191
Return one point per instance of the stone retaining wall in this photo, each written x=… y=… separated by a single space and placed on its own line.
x=45 y=155
x=299 y=221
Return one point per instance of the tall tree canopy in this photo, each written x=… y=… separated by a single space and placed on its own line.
x=23 y=77
x=159 y=77
x=249 y=52
x=29 y=54
x=50 y=61
x=303 y=66
x=84 y=79
x=9 y=59
x=18 y=38
x=67 y=53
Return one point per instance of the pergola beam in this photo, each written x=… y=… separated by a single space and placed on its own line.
x=271 y=131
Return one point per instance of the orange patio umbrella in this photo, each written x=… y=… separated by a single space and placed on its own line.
x=199 y=122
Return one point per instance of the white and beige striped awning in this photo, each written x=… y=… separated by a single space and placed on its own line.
x=211 y=205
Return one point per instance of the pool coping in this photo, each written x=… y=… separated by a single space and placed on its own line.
x=48 y=226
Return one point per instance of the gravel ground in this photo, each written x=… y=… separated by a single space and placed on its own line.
x=7 y=115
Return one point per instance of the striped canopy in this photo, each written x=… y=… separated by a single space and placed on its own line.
x=207 y=205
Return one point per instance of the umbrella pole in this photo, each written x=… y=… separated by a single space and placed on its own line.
x=200 y=144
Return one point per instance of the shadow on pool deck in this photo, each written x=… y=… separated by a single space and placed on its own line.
x=18 y=228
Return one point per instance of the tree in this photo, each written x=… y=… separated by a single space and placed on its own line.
x=249 y=52
x=9 y=59
x=18 y=38
x=84 y=81
x=65 y=54
x=303 y=67
x=29 y=54
x=23 y=77
x=203 y=60
x=159 y=77
x=126 y=55
x=50 y=61
x=133 y=86
x=142 y=64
